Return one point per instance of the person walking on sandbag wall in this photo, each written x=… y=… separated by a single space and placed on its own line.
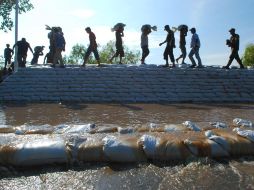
x=146 y=30
x=170 y=40
x=118 y=28
x=92 y=47
x=23 y=47
x=195 y=46
x=182 y=43
x=234 y=43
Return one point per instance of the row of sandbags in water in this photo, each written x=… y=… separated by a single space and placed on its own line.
x=93 y=129
x=135 y=147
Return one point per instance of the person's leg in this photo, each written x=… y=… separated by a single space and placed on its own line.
x=56 y=57
x=165 y=55
x=171 y=55
x=184 y=54
x=231 y=58
x=19 y=58
x=198 y=57
x=88 y=52
x=121 y=52
x=192 y=52
x=238 y=59
x=97 y=57
x=5 y=63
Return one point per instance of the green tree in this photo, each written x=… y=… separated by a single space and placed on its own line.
x=76 y=55
x=248 y=57
x=6 y=7
x=106 y=52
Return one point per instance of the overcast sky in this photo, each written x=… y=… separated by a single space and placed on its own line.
x=212 y=19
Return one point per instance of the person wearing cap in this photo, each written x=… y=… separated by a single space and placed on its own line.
x=92 y=47
x=234 y=42
x=170 y=40
x=23 y=47
x=195 y=45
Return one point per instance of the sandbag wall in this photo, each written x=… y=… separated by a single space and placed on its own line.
x=64 y=144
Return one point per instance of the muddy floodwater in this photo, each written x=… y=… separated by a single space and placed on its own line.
x=203 y=173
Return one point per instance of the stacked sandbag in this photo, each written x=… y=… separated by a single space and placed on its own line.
x=123 y=149
x=35 y=152
x=165 y=147
x=91 y=150
x=237 y=145
x=118 y=26
x=148 y=28
x=201 y=146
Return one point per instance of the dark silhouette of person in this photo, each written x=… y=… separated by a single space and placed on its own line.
x=38 y=51
x=52 y=43
x=195 y=46
x=92 y=47
x=144 y=44
x=170 y=40
x=119 y=44
x=59 y=47
x=234 y=43
x=23 y=47
x=146 y=30
x=182 y=43
x=8 y=52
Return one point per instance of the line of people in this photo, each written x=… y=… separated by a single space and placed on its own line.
x=57 y=45
x=195 y=45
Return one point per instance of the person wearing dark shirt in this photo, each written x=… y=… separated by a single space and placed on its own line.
x=38 y=51
x=234 y=43
x=182 y=43
x=92 y=47
x=23 y=47
x=119 y=44
x=59 y=47
x=170 y=40
x=8 y=52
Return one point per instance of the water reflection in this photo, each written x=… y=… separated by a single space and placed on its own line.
x=121 y=114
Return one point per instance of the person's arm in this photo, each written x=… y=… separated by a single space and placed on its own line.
x=30 y=48
x=163 y=42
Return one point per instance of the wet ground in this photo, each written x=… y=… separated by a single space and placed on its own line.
x=237 y=173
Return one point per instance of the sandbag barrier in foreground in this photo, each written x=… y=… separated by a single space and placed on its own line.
x=25 y=146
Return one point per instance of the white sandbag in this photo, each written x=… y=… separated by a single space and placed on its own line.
x=125 y=130
x=249 y=134
x=107 y=129
x=118 y=26
x=242 y=123
x=91 y=150
x=148 y=27
x=205 y=147
x=176 y=150
x=238 y=145
x=87 y=128
x=60 y=129
x=122 y=149
x=39 y=152
x=192 y=126
x=218 y=125
x=219 y=140
x=72 y=145
x=149 y=144
x=173 y=128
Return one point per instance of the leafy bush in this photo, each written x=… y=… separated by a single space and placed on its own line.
x=106 y=52
x=248 y=57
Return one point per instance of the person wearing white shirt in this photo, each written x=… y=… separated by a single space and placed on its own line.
x=195 y=45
